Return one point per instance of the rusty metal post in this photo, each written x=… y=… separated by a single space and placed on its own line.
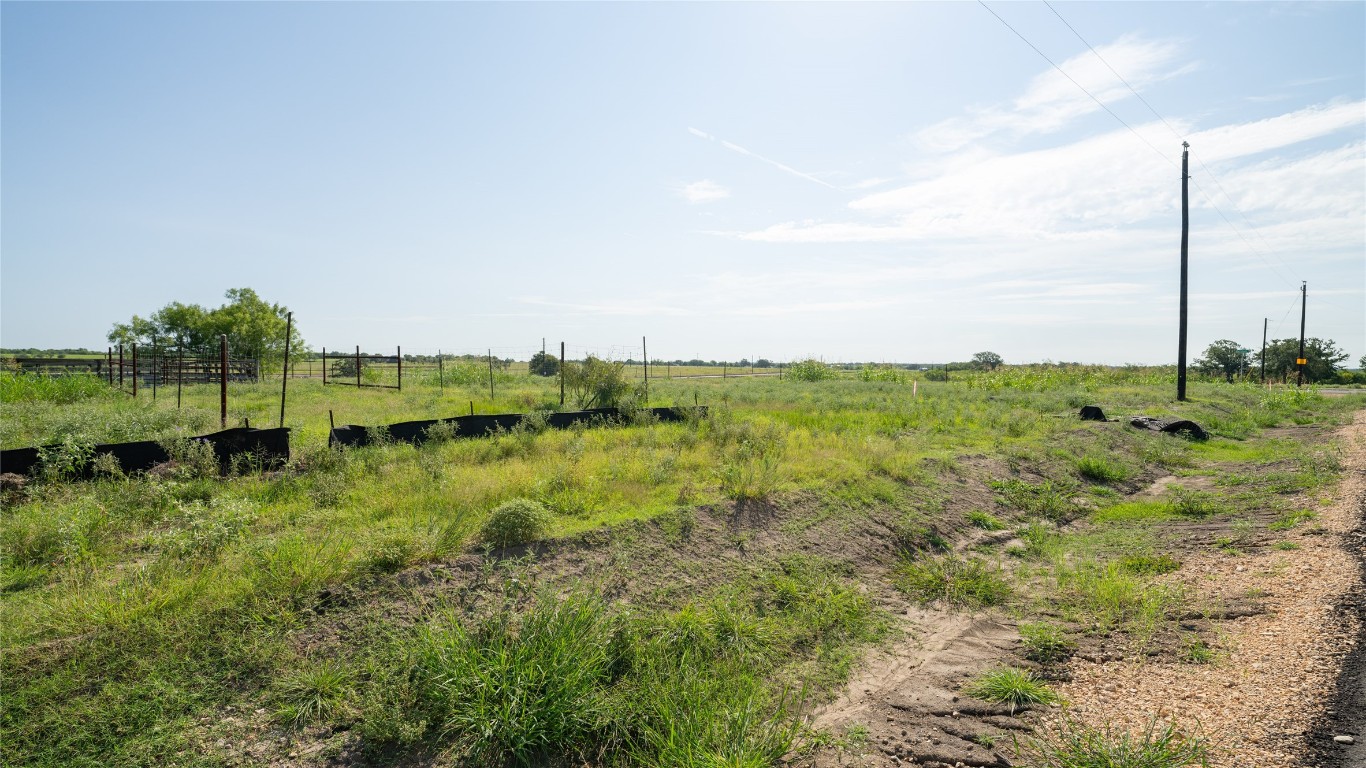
x=135 y=371
x=155 y=359
x=120 y=366
x=179 y=370
x=223 y=379
x=357 y=366
x=562 y=374
x=324 y=366
x=109 y=364
x=400 y=368
x=284 y=370
x=490 y=375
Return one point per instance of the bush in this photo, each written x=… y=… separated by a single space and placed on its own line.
x=596 y=383
x=810 y=369
x=543 y=364
x=516 y=522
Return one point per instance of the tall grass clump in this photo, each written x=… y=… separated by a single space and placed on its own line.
x=1077 y=745
x=519 y=688
x=1100 y=469
x=961 y=581
x=33 y=388
x=1016 y=688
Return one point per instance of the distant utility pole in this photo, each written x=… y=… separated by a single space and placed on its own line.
x=1264 y=322
x=1185 y=241
x=1300 y=359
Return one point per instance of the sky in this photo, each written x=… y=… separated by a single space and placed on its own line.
x=907 y=182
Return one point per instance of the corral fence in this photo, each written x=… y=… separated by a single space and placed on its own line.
x=358 y=369
x=134 y=367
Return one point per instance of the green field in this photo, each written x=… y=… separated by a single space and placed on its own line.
x=672 y=595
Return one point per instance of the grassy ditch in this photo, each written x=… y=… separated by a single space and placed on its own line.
x=140 y=609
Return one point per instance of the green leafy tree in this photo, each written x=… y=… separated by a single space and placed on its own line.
x=596 y=383
x=1362 y=363
x=1224 y=357
x=543 y=364
x=254 y=327
x=988 y=360
x=1322 y=355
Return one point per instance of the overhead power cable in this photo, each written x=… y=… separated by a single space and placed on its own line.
x=1178 y=135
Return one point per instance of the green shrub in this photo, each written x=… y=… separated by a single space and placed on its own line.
x=516 y=522
x=811 y=369
x=1014 y=687
x=966 y=582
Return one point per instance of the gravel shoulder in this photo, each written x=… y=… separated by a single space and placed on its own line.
x=1274 y=693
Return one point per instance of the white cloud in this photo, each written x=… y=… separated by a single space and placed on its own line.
x=704 y=191
x=1051 y=101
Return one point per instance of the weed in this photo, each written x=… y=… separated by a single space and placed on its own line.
x=965 y=582
x=1149 y=565
x=1194 y=504
x=1291 y=519
x=1045 y=643
x=1102 y=470
x=1287 y=546
x=1076 y=745
x=1046 y=499
x=313 y=693
x=1195 y=651
x=985 y=520
x=516 y=522
x=1014 y=687
x=519 y=689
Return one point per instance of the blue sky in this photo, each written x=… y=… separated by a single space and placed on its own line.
x=890 y=181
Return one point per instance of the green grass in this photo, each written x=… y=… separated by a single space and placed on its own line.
x=965 y=582
x=1045 y=643
x=1076 y=745
x=1292 y=519
x=137 y=607
x=985 y=520
x=1017 y=688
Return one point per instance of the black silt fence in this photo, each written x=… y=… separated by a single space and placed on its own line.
x=270 y=447
x=481 y=425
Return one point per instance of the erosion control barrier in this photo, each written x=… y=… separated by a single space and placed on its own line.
x=268 y=447
x=480 y=425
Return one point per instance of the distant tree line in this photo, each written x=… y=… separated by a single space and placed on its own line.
x=1323 y=361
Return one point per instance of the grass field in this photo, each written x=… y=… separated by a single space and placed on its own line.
x=672 y=594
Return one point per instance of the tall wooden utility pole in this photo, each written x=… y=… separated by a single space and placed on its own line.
x=1300 y=359
x=1185 y=241
x=1264 y=322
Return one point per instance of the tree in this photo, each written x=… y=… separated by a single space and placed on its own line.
x=254 y=327
x=987 y=360
x=543 y=364
x=1322 y=355
x=1362 y=363
x=1224 y=357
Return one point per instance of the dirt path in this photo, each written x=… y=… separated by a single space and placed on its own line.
x=1268 y=699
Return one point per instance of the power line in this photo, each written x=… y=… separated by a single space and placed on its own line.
x=1079 y=85
x=1178 y=135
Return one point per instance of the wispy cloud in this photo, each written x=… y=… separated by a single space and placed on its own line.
x=741 y=150
x=705 y=191
x=1051 y=101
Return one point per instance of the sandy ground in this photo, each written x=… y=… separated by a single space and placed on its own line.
x=1272 y=681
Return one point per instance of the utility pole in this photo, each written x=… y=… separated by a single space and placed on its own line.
x=1264 y=322
x=1185 y=242
x=1300 y=360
